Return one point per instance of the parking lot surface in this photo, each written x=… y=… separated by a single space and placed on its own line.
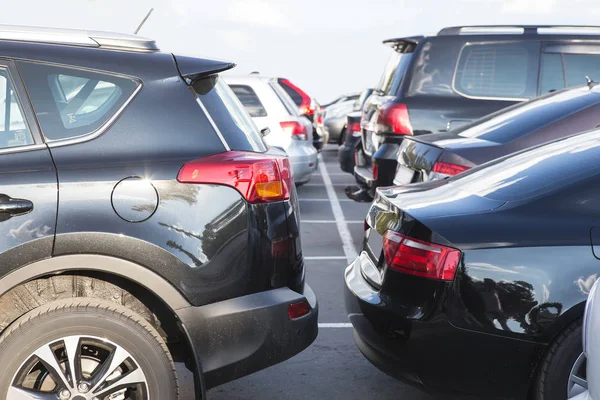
x=333 y=367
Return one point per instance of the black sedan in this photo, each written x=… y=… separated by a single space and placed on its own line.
x=547 y=118
x=477 y=283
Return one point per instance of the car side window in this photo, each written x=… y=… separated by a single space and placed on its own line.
x=71 y=102
x=14 y=131
x=567 y=65
x=552 y=73
x=250 y=100
x=498 y=70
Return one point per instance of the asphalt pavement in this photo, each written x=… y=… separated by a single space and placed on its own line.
x=333 y=367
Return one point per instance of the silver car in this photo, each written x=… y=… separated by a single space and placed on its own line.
x=591 y=350
x=270 y=107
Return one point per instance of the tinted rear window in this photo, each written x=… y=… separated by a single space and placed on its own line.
x=535 y=172
x=229 y=115
x=498 y=70
x=521 y=119
x=250 y=100
x=295 y=96
x=394 y=72
x=71 y=102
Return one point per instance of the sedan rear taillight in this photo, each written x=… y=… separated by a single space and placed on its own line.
x=258 y=177
x=295 y=129
x=448 y=169
x=417 y=257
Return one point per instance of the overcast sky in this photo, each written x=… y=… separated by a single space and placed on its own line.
x=327 y=47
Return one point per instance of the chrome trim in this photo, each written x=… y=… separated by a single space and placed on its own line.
x=75 y=37
x=94 y=134
x=481 y=97
x=212 y=122
x=20 y=149
x=505 y=30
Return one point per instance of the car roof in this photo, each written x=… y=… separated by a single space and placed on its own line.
x=77 y=38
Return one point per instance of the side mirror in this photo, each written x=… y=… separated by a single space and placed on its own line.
x=265 y=131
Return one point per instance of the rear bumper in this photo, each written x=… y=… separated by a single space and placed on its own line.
x=237 y=337
x=304 y=161
x=386 y=158
x=346 y=154
x=430 y=352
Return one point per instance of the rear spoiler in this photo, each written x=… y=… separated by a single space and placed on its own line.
x=192 y=68
x=404 y=45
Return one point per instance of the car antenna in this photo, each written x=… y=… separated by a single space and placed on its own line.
x=143 y=21
x=590 y=82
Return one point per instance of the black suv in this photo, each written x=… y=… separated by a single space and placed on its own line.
x=145 y=222
x=437 y=83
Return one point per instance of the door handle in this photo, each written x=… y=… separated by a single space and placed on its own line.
x=12 y=206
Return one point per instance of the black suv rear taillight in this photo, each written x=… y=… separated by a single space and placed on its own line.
x=258 y=177
x=391 y=118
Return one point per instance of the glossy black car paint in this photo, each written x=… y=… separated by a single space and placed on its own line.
x=526 y=269
x=524 y=125
x=432 y=60
x=204 y=240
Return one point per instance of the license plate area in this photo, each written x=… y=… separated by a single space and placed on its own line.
x=404 y=175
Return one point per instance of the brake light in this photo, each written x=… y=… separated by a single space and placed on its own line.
x=420 y=258
x=294 y=129
x=320 y=118
x=306 y=106
x=448 y=169
x=393 y=118
x=298 y=310
x=354 y=129
x=375 y=171
x=258 y=177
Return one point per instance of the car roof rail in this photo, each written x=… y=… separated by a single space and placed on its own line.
x=520 y=29
x=75 y=37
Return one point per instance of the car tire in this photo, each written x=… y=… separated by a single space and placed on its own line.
x=555 y=369
x=100 y=334
x=342 y=138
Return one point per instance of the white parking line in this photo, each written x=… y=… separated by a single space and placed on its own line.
x=305 y=199
x=325 y=258
x=323 y=221
x=335 y=325
x=338 y=215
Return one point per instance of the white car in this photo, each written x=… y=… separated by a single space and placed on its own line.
x=271 y=107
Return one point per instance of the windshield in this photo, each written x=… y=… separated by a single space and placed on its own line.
x=536 y=171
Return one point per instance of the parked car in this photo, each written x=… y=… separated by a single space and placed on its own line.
x=342 y=99
x=544 y=119
x=351 y=140
x=591 y=350
x=434 y=84
x=477 y=283
x=175 y=237
x=334 y=117
x=270 y=107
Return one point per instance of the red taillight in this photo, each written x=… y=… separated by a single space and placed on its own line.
x=306 y=105
x=448 y=169
x=354 y=129
x=258 y=177
x=298 y=310
x=420 y=258
x=294 y=128
x=393 y=118
x=375 y=171
x=320 y=119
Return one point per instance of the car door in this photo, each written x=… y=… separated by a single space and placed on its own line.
x=28 y=181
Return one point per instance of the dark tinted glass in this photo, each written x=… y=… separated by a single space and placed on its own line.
x=552 y=76
x=295 y=96
x=521 y=119
x=535 y=172
x=394 y=72
x=498 y=70
x=229 y=115
x=250 y=100
x=72 y=102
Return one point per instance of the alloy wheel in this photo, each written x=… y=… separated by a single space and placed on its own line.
x=79 y=368
x=577 y=378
